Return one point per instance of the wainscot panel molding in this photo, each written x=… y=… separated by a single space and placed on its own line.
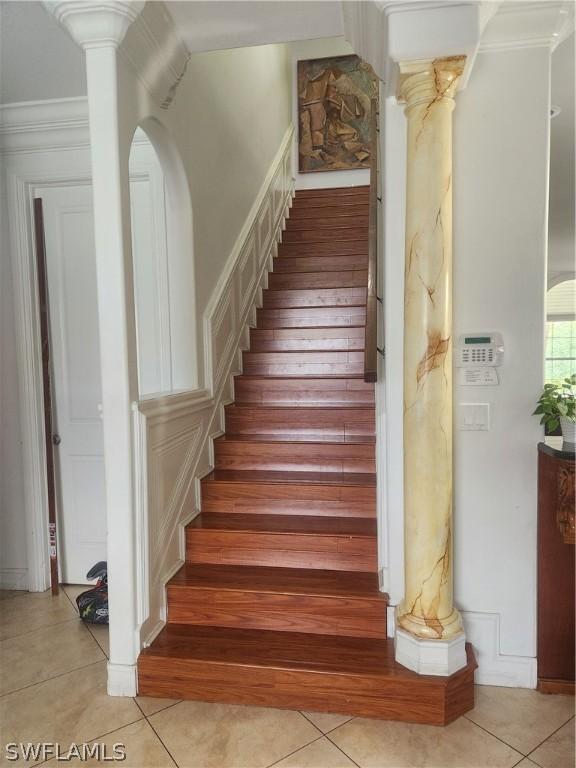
x=173 y=434
x=495 y=667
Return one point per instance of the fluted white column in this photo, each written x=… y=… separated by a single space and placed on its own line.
x=429 y=629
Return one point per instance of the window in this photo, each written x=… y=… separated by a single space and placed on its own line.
x=561 y=332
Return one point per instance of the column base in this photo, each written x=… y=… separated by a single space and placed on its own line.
x=122 y=679
x=430 y=657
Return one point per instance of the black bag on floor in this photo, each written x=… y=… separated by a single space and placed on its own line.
x=93 y=604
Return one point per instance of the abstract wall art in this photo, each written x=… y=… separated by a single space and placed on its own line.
x=334 y=104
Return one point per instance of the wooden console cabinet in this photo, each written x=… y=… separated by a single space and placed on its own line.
x=556 y=599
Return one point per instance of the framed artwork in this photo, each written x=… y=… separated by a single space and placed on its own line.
x=334 y=103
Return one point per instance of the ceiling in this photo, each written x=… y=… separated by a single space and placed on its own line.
x=38 y=59
x=218 y=24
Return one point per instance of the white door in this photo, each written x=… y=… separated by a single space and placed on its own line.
x=71 y=269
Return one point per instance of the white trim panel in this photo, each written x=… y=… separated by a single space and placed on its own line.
x=494 y=667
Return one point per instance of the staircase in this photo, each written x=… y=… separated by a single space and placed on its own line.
x=278 y=603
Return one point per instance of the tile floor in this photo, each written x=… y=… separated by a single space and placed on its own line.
x=53 y=689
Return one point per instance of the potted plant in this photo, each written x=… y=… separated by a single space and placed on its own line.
x=557 y=406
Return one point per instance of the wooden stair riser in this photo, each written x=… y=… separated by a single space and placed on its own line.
x=322 y=221
x=350 y=278
x=315 y=297
x=353 y=695
x=322 y=250
x=307 y=392
x=306 y=340
x=339 y=422
x=303 y=363
x=282 y=550
x=300 y=211
x=341 y=616
x=304 y=264
x=302 y=457
x=311 y=317
x=312 y=500
x=393 y=693
x=339 y=194
x=356 y=234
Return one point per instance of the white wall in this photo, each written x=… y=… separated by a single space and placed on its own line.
x=229 y=117
x=319 y=49
x=500 y=216
x=561 y=236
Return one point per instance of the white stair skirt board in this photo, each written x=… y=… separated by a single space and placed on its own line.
x=430 y=657
x=122 y=679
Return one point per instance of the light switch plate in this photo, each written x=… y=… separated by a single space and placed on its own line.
x=474 y=416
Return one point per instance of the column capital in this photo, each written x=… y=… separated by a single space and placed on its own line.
x=430 y=80
x=95 y=24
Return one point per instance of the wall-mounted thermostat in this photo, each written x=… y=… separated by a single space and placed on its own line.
x=476 y=350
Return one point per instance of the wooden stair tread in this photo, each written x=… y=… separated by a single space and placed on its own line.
x=286 y=408
x=319 y=377
x=344 y=655
x=285 y=581
x=354 y=656
x=305 y=525
x=295 y=439
x=292 y=478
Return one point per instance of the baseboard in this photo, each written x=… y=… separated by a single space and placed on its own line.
x=494 y=667
x=14 y=578
x=122 y=679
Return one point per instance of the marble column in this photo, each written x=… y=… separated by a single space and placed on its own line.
x=427 y=612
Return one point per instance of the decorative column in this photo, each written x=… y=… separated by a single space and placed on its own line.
x=429 y=637
x=99 y=28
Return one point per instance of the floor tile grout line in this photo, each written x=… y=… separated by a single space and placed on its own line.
x=96 y=738
x=339 y=748
x=161 y=740
x=97 y=642
x=48 y=679
x=304 y=746
x=295 y=752
x=308 y=720
x=498 y=738
x=163 y=709
x=38 y=629
x=549 y=737
x=352 y=717
x=517 y=749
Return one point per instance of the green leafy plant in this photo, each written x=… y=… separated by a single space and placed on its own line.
x=557 y=401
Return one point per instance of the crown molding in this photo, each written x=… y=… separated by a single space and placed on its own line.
x=40 y=126
x=95 y=24
x=155 y=53
x=51 y=125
